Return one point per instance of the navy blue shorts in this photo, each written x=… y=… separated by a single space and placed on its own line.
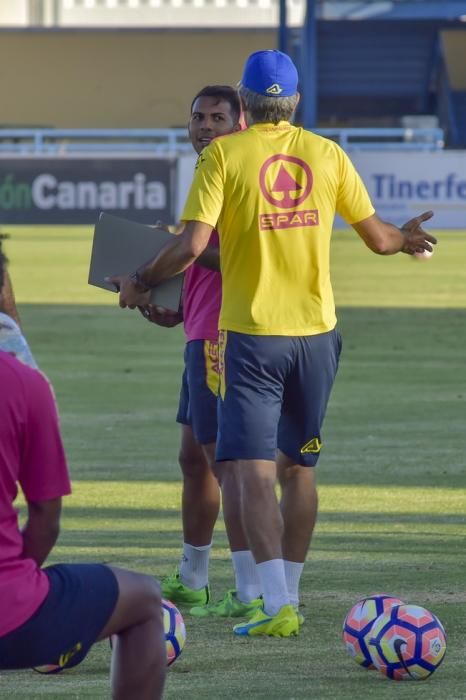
x=80 y=601
x=274 y=392
x=199 y=390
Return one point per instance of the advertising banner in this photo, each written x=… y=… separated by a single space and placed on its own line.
x=401 y=184
x=76 y=190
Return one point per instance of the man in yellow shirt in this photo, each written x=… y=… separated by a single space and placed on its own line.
x=273 y=191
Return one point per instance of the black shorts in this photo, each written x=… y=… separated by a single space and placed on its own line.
x=274 y=392
x=80 y=601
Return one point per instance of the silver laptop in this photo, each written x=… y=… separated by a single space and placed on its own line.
x=121 y=246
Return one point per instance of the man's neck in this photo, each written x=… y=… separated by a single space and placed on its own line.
x=257 y=122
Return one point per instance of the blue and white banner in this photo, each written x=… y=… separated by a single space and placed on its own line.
x=403 y=185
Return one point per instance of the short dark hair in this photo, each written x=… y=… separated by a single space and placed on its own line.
x=223 y=93
x=3 y=262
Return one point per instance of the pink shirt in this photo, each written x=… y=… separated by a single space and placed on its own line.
x=31 y=455
x=202 y=298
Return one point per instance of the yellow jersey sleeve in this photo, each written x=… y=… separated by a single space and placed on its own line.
x=353 y=201
x=205 y=198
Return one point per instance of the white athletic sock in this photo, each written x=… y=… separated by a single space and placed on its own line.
x=273 y=583
x=194 y=567
x=248 y=585
x=293 y=571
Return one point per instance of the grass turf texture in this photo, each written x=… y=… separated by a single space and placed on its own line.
x=392 y=473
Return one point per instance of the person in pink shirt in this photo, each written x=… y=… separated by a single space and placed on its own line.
x=52 y=616
x=215 y=112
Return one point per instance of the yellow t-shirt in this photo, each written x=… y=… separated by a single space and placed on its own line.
x=272 y=192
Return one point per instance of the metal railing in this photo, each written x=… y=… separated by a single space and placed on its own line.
x=152 y=142
x=396 y=139
x=64 y=142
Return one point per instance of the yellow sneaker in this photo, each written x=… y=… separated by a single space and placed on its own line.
x=284 y=624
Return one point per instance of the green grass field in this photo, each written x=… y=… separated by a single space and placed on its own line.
x=392 y=473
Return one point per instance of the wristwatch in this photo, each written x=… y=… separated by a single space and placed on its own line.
x=137 y=281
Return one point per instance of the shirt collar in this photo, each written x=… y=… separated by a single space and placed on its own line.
x=269 y=125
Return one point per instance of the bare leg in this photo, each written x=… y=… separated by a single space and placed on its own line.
x=227 y=478
x=247 y=584
x=139 y=657
x=298 y=505
x=299 y=509
x=263 y=525
x=201 y=493
x=262 y=520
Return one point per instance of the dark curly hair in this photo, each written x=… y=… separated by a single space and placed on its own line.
x=224 y=93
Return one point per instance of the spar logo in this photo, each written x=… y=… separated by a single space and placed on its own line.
x=285 y=182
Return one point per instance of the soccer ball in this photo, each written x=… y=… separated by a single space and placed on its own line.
x=407 y=643
x=358 y=624
x=175 y=631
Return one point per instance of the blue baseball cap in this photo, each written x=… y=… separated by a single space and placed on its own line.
x=270 y=73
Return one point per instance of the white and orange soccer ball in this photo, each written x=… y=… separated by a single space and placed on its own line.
x=407 y=643
x=358 y=624
x=175 y=631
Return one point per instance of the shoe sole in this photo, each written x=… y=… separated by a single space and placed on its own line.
x=230 y=615
x=276 y=631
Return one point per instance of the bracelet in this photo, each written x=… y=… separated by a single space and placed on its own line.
x=138 y=282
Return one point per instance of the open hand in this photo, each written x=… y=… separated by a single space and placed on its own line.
x=416 y=239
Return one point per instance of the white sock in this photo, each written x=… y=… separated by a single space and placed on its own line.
x=273 y=584
x=194 y=567
x=293 y=571
x=248 y=585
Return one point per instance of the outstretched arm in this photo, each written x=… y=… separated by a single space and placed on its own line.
x=386 y=239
